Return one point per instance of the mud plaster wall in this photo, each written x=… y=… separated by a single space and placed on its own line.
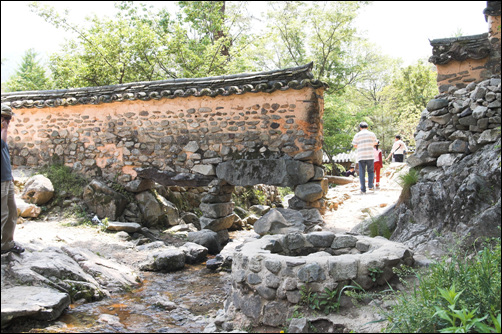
x=180 y=134
x=461 y=73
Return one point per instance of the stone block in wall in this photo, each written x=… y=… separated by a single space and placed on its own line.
x=343 y=267
x=217 y=224
x=468 y=121
x=444 y=119
x=479 y=112
x=420 y=158
x=435 y=149
x=204 y=169
x=216 y=210
x=446 y=160
x=483 y=123
x=436 y=104
x=310 y=191
x=277 y=172
x=488 y=136
x=459 y=146
x=314 y=157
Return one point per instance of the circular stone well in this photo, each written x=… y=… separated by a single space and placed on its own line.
x=267 y=273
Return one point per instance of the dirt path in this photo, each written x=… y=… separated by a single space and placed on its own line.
x=357 y=208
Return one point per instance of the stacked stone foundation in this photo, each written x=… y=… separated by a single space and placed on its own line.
x=268 y=274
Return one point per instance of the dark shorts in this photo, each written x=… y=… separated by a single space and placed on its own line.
x=398 y=157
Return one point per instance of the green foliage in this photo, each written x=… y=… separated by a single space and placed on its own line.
x=246 y=197
x=65 y=181
x=375 y=273
x=340 y=124
x=412 y=88
x=284 y=191
x=327 y=301
x=30 y=75
x=433 y=304
x=104 y=224
x=143 y=44
x=379 y=227
x=466 y=319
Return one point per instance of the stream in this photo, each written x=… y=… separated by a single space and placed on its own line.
x=197 y=293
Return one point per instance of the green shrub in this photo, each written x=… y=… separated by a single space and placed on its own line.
x=424 y=309
x=248 y=196
x=327 y=301
x=65 y=181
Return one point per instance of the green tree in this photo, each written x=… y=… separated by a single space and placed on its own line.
x=320 y=31
x=30 y=75
x=143 y=44
x=411 y=89
x=340 y=123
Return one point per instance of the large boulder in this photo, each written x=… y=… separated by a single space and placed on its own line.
x=38 y=190
x=280 y=221
x=156 y=210
x=27 y=210
x=104 y=201
x=165 y=260
x=206 y=238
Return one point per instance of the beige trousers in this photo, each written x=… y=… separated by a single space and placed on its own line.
x=9 y=215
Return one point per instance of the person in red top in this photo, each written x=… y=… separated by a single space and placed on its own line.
x=378 y=163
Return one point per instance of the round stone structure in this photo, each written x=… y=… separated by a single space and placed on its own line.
x=268 y=273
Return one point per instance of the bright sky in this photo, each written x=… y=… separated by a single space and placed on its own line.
x=400 y=28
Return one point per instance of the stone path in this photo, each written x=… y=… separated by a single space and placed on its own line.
x=357 y=207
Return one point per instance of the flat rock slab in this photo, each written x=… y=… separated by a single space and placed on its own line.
x=127 y=227
x=34 y=302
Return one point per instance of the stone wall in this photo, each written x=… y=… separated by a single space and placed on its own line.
x=183 y=135
x=457 y=195
x=466 y=59
x=239 y=130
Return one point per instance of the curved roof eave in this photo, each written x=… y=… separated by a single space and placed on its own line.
x=270 y=81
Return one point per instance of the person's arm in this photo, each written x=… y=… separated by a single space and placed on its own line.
x=5 y=126
x=391 y=151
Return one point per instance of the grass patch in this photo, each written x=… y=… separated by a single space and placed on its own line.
x=456 y=294
x=407 y=181
x=378 y=227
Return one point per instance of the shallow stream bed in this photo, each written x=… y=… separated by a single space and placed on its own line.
x=196 y=292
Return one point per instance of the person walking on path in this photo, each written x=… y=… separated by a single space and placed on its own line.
x=378 y=163
x=364 y=142
x=398 y=149
x=9 y=209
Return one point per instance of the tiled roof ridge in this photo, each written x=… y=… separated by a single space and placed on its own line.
x=460 y=48
x=270 y=81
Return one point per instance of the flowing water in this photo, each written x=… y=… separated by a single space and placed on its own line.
x=196 y=292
